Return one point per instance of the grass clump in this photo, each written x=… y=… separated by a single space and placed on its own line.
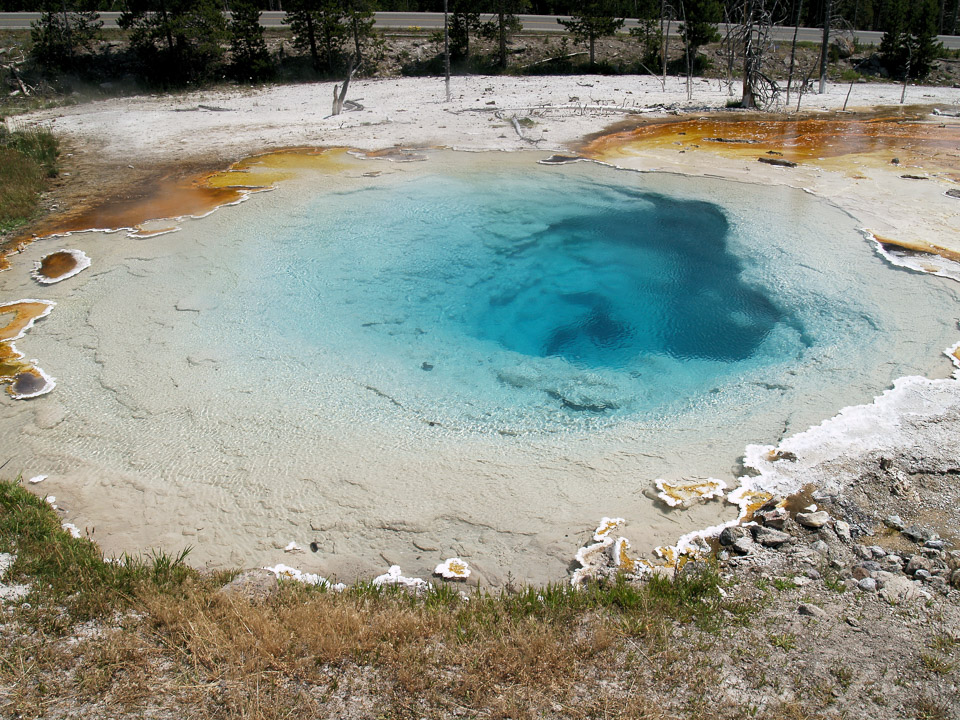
x=28 y=158
x=71 y=571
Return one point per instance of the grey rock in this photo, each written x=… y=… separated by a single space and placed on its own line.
x=937 y=544
x=922 y=574
x=893 y=563
x=883 y=577
x=899 y=589
x=814 y=520
x=917 y=562
x=862 y=552
x=937 y=583
x=811 y=610
x=878 y=552
x=773 y=519
x=745 y=546
x=894 y=522
x=728 y=536
x=842 y=529
x=868 y=584
x=769 y=537
x=916 y=533
x=821 y=547
x=872 y=566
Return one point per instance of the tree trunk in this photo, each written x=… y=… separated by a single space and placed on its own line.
x=824 y=47
x=312 y=37
x=747 y=100
x=503 y=38
x=793 y=50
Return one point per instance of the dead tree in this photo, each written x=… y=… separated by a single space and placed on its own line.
x=338 y=98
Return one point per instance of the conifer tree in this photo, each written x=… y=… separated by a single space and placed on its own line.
x=318 y=26
x=176 y=41
x=505 y=22
x=464 y=20
x=909 y=44
x=249 y=57
x=592 y=19
x=699 y=26
x=63 y=32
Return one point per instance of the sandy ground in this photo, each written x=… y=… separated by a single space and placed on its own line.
x=128 y=134
x=230 y=124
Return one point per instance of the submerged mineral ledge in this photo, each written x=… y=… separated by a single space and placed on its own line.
x=25 y=380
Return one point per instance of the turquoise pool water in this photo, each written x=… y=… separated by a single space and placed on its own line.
x=477 y=355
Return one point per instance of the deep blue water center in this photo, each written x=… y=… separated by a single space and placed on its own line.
x=603 y=286
x=515 y=299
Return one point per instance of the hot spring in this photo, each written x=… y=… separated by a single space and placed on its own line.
x=473 y=355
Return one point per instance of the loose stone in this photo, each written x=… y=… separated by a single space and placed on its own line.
x=811 y=610
x=770 y=537
x=821 y=547
x=917 y=562
x=730 y=535
x=894 y=522
x=814 y=520
x=745 y=546
x=867 y=584
x=842 y=529
x=917 y=533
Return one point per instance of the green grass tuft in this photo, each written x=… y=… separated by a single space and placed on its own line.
x=27 y=159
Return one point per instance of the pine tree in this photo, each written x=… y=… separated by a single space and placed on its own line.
x=592 y=19
x=647 y=31
x=924 y=46
x=699 y=26
x=176 y=41
x=909 y=44
x=464 y=19
x=249 y=57
x=62 y=33
x=318 y=26
x=505 y=22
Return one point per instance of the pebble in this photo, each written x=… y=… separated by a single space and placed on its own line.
x=894 y=522
x=770 y=537
x=842 y=529
x=811 y=610
x=730 y=535
x=745 y=546
x=917 y=562
x=862 y=552
x=867 y=584
x=814 y=520
x=821 y=547
x=916 y=533
x=878 y=552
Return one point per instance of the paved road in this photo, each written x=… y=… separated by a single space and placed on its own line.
x=536 y=23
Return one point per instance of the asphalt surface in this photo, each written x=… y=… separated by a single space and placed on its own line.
x=534 y=23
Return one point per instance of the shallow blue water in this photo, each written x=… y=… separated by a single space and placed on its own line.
x=470 y=296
